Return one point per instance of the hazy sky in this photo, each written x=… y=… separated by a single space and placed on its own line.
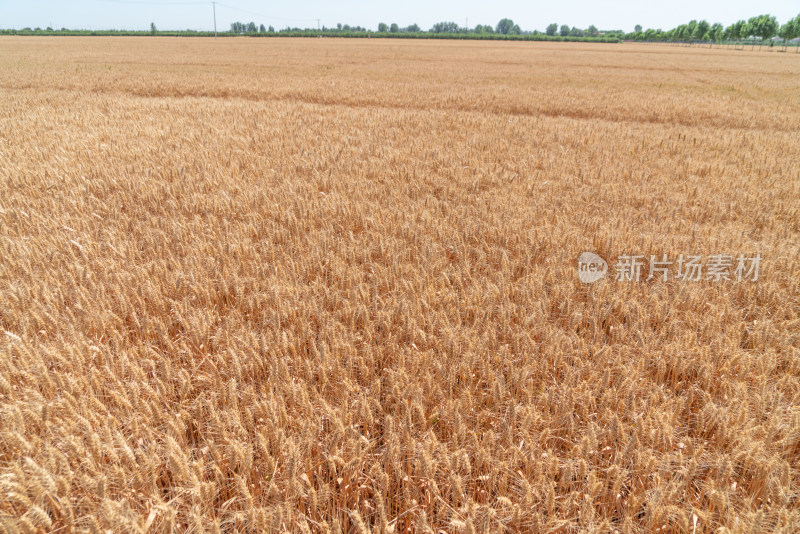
x=530 y=14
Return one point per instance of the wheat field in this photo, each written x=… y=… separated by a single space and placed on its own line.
x=285 y=285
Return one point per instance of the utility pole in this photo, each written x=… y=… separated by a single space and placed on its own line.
x=318 y=26
x=466 y=27
x=215 y=18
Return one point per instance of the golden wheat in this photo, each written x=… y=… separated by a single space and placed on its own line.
x=330 y=286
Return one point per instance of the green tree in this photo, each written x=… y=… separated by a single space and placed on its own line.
x=652 y=35
x=445 y=27
x=153 y=29
x=796 y=32
x=592 y=31
x=637 y=28
x=741 y=29
x=736 y=30
x=700 y=30
x=507 y=27
x=716 y=32
x=271 y=29
x=394 y=28
x=753 y=29
x=413 y=28
x=768 y=27
x=690 y=30
x=262 y=29
x=763 y=27
x=383 y=27
x=785 y=33
x=745 y=30
x=564 y=30
x=552 y=29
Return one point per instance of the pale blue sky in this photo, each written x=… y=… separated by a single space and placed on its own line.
x=530 y=15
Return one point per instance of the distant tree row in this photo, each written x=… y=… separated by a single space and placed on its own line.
x=250 y=27
x=761 y=28
x=756 y=30
x=394 y=28
x=565 y=31
x=504 y=27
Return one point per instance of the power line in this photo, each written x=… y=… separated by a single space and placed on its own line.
x=168 y=3
x=214 y=5
x=263 y=15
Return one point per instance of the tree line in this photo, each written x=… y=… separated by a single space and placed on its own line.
x=756 y=30
x=760 y=28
